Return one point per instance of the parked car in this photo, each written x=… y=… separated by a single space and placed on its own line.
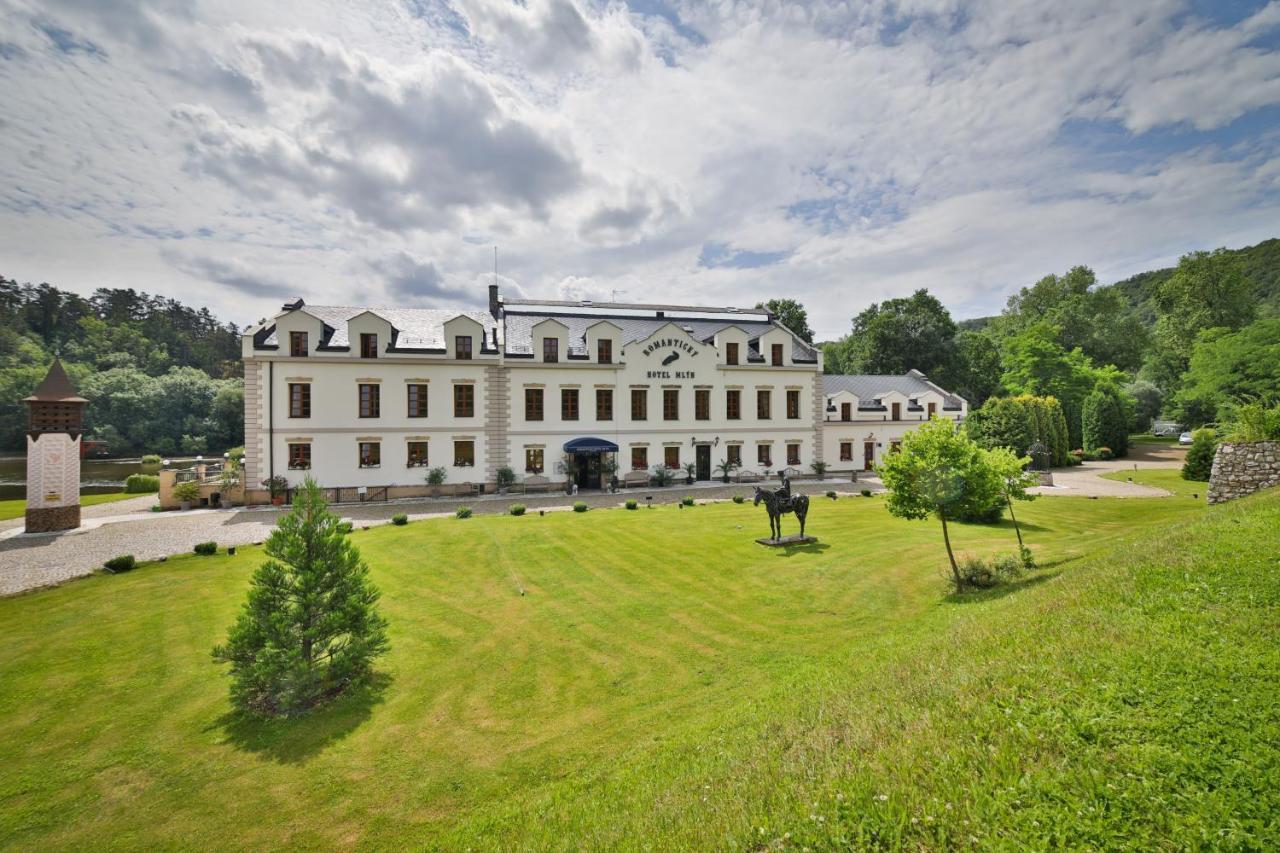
x=1185 y=438
x=1165 y=429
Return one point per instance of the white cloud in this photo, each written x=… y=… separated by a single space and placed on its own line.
x=350 y=154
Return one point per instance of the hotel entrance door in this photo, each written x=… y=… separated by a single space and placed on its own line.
x=702 y=459
x=868 y=455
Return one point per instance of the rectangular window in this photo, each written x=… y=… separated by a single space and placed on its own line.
x=370 y=454
x=604 y=404
x=464 y=454
x=370 y=400
x=299 y=399
x=533 y=404
x=462 y=347
x=417 y=400
x=298 y=344
x=702 y=404
x=764 y=401
x=533 y=460
x=671 y=404
x=639 y=459
x=569 y=404
x=417 y=454
x=731 y=353
x=846 y=450
x=464 y=401
x=299 y=457
x=368 y=345
x=776 y=351
x=639 y=404
x=733 y=454
x=763 y=455
x=671 y=457
x=846 y=411
x=793 y=454
x=733 y=404
x=897 y=412
x=550 y=349
x=604 y=351
x=793 y=404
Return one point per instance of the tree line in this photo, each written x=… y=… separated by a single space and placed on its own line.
x=1187 y=344
x=160 y=377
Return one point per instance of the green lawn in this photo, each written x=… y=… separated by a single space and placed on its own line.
x=1169 y=479
x=16 y=509
x=665 y=682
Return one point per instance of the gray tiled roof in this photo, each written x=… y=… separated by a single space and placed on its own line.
x=417 y=328
x=520 y=321
x=871 y=387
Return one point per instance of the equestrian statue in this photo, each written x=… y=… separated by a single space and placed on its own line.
x=778 y=503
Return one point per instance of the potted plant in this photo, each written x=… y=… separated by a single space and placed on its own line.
x=662 y=475
x=277 y=486
x=609 y=470
x=505 y=477
x=726 y=468
x=435 y=479
x=569 y=467
x=819 y=468
x=690 y=471
x=186 y=493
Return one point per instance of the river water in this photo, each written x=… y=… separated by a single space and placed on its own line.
x=97 y=476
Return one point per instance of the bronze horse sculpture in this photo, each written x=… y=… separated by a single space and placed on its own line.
x=778 y=504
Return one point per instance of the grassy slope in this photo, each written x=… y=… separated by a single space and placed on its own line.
x=16 y=509
x=666 y=676
x=1169 y=479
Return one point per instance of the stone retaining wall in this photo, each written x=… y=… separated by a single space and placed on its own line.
x=1242 y=469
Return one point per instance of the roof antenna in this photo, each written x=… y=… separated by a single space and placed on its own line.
x=614 y=296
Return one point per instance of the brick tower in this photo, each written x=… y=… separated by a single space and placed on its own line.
x=55 y=419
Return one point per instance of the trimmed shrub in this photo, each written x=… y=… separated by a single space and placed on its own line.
x=151 y=459
x=976 y=573
x=831 y=494
x=686 y=501
x=345 y=526
x=866 y=493
x=462 y=512
x=632 y=504
x=121 y=564
x=1199 y=462
x=1105 y=453
x=984 y=515
x=436 y=476
x=580 y=507
x=516 y=509
x=206 y=549
x=400 y=519
x=141 y=484
x=738 y=499
x=187 y=492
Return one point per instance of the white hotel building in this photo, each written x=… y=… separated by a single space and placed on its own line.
x=373 y=397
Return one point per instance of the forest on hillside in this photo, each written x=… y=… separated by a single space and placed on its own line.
x=161 y=377
x=1189 y=343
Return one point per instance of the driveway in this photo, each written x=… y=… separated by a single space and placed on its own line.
x=1085 y=480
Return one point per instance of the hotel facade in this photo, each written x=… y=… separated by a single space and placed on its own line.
x=373 y=398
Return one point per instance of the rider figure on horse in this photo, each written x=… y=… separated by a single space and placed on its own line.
x=784 y=494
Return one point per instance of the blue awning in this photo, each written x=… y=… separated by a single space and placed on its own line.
x=590 y=445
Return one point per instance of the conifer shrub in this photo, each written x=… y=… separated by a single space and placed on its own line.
x=206 y=549
x=121 y=564
x=310 y=628
x=866 y=493
x=686 y=501
x=400 y=519
x=345 y=527
x=579 y=507
x=1198 y=464
x=516 y=509
x=738 y=499
x=463 y=512
x=831 y=494
x=632 y=504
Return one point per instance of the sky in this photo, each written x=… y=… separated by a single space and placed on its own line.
x=239 y=154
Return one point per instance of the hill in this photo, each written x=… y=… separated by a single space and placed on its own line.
x=687 y=691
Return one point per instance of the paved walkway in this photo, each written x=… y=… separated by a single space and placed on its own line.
x=129 y=527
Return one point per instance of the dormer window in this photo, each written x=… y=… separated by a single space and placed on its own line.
x=368 y=345
x=776 y=350
x=731 y=353
x=298 y=344
x=462 y=347
x=604 y=351
x=550 y=349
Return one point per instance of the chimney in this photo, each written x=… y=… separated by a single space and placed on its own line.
x=495 y=301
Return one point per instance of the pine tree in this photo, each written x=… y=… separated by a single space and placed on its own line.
x=310 y=628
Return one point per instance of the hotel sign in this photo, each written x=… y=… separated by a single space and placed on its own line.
x=676 y=346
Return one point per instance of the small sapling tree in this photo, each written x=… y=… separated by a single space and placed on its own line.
x=310 y=628
x=941 y=472
x=1013 y=479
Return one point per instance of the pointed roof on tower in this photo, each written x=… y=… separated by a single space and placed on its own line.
x=56 y=387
